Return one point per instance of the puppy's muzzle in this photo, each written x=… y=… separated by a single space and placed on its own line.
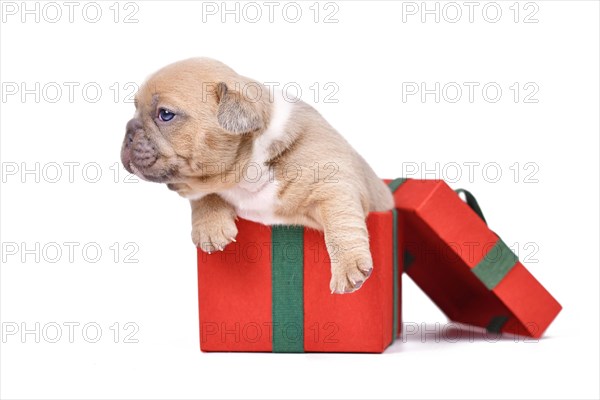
x=138 y=150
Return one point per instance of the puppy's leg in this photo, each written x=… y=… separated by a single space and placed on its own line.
x=213 y=223
x=347 y=242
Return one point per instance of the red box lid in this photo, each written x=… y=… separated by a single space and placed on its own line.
x=464 y=267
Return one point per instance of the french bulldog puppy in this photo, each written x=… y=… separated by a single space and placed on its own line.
x=235 y=147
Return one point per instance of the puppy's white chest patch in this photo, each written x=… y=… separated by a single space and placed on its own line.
x=256 y=199
x=255 y=202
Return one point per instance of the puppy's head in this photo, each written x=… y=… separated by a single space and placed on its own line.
x=192 y=119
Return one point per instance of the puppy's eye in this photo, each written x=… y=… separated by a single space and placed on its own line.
x=165 y=115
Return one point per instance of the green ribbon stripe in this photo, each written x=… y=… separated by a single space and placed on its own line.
x=288 y=288
x=495 y=265
x=394 y=185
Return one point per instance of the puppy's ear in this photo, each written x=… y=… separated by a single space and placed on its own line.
x=235 y=113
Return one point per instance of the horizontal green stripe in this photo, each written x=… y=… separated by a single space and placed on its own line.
x=395 y=184
x=495 y=265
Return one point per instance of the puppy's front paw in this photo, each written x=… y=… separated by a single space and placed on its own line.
x=349 y=274
x=214 y=233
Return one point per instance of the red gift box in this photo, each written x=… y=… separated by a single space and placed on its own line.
x=269 y=291
x=464 y=267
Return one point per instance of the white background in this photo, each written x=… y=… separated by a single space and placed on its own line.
x=548 y=212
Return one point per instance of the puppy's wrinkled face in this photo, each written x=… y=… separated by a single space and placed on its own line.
x=188 y=123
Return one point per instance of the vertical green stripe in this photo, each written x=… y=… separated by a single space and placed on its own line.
x=395 y=269
x=408 y=260
x=394 y=185
x=495 y=264
x=288 y=290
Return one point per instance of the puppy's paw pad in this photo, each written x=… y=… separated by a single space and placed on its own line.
x=350 y=278
x=366 y=271
x=212 y=238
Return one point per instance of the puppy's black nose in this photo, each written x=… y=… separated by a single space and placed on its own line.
x=132 y=127
x=129 y=138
